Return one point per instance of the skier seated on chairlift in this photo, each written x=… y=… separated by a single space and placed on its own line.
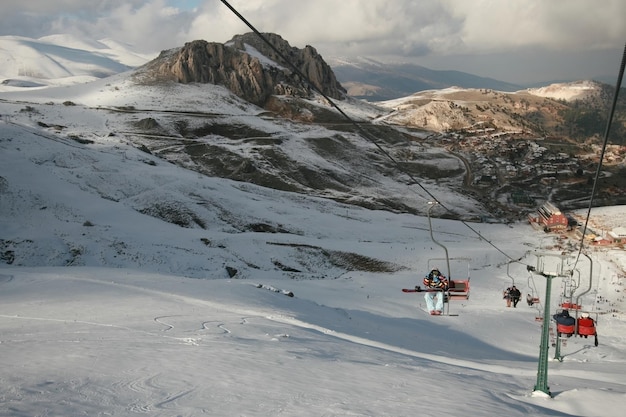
x=564 y=318
x=530 y=300
x=511 y=295
x=564 y=323
x=434 y=299
x=586 y=325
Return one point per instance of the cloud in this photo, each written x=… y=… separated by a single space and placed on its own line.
x=404 y=27
x=442 y=27
x=348 y=27
x=422 y=31
x=492 y=26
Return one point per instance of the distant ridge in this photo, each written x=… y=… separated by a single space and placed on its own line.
x=368 y=79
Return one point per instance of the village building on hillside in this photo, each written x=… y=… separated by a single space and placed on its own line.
x=550 y=218
x=617 y=235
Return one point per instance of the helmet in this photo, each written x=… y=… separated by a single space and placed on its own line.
x=584 y=315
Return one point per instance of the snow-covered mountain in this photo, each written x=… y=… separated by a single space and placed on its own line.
x=61 y=60
x=580 y=90
x=66 y=59
x=371 y=80
x=402 y=126
x=247 y=143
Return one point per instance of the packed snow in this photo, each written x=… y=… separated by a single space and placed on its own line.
x=108 y=311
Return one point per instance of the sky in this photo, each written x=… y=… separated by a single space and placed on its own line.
x=108 y=311
x=519 y=41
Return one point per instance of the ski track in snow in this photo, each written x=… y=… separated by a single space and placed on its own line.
x=167 y=326
x=5 y=278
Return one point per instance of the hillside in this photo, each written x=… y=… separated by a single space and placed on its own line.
x=460 y=139
x=132 y=285
x=61 y=60
x=532 y=112
x=216 y=133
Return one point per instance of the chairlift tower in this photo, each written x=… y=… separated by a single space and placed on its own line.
x=542 y=368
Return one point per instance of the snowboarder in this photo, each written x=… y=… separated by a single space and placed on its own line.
x=435 y=280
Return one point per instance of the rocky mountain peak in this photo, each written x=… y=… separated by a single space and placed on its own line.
x=248 y=67
x=307 y=60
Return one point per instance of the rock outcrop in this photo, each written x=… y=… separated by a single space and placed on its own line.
x=248 y=67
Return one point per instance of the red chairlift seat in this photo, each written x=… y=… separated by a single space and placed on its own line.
x=565 y=329
x=571 y=306
x=459 y=289
x=586 y=327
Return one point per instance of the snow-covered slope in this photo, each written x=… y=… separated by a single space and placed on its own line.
x=61 y=60
x=131 y=285
x=579 y=90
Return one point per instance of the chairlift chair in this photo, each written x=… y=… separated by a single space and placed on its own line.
x=534 y=295
x=586 y=326
x=458 y=289
x=565 y=329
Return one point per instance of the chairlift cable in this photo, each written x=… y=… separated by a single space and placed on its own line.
x=606 y=138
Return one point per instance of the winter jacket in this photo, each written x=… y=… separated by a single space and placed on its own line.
x=564 y=318
x=437 y=281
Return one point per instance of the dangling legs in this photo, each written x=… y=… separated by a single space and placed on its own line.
x=428 y=297
x=439 y=306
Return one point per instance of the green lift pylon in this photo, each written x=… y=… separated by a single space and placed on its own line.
x=542 y=369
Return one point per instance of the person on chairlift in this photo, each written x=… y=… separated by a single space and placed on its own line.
x=512 y=295
x=564 y=318
x=586 y=325
x=434 y=299
x=515 y=295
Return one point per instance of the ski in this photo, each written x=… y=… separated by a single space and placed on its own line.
x=420 y=289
